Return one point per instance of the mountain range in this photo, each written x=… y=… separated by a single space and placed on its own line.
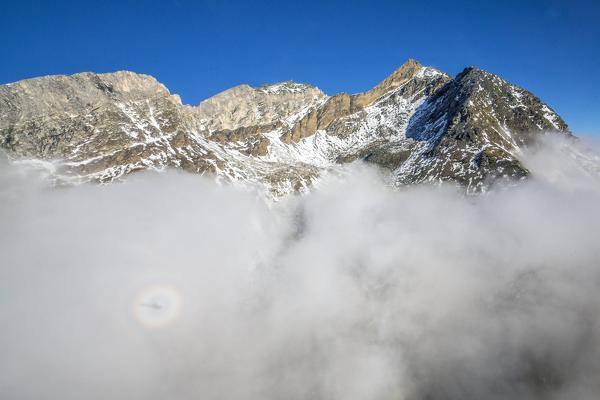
x=419 y=124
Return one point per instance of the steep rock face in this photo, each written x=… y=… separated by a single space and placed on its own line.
x=413 y=80
x=419 y=123
x=471 y=131
x=89 y=122
x=244 y=106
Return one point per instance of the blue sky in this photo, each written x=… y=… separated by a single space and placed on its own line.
x=198 y=48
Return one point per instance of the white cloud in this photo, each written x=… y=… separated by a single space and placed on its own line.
x=354 y=291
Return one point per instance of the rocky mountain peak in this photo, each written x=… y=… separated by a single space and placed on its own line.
x=73 y=94
x=411 y=75
x=419 y=123
x=405 y=72
x=282 y=88
x=244 y=105
x=474 y=127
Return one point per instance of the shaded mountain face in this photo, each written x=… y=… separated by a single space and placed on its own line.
x=419 y=124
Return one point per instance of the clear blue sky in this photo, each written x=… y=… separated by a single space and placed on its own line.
x=198 y=48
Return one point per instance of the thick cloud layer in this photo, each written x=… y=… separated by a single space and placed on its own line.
x=168 y=286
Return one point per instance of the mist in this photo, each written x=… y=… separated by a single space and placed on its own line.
x=169 y=286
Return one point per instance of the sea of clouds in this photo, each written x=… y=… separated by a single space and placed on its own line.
x=354 y=291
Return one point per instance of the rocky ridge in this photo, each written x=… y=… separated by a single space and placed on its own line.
x=420 y=124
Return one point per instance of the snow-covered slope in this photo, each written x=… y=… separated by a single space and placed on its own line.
x=419 y=123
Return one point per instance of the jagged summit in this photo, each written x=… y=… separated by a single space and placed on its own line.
x=285 y=87
x=406 y=71
x=419 y=123
x=61 y=93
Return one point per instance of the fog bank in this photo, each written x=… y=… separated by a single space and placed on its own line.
x=170 y=287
